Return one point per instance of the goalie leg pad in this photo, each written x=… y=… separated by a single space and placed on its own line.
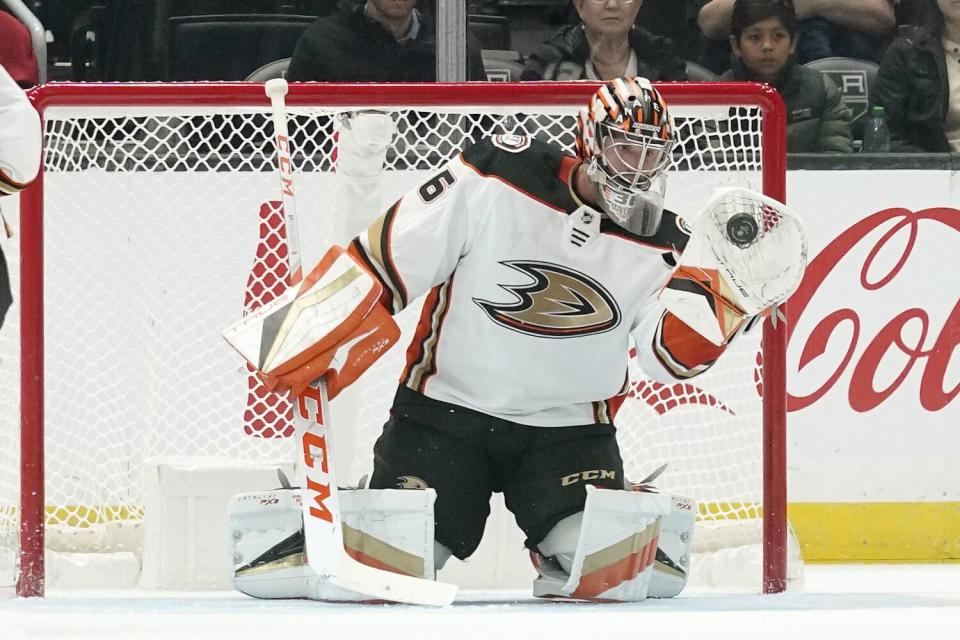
x=611 y=556
x=388 y=529
x=671 y=569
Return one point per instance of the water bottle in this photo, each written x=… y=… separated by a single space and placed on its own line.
x=876 y=133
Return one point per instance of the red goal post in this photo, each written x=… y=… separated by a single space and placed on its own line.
x=235 y=98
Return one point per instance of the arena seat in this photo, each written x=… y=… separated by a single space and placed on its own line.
x=227 y=47
x=493 y=32
x=854 y=77
x=699 y=73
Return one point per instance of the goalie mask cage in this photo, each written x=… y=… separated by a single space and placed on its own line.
x=155 y=223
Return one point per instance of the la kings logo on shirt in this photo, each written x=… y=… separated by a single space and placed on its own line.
x=558 y=303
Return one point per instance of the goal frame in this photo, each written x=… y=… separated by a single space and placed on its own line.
x=31 y=579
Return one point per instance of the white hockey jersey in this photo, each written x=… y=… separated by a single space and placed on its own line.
x=532 y=296
x=20 y=138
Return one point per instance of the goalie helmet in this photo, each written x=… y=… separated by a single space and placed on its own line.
x=625 y=136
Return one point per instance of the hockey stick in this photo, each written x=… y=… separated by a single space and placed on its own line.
x=323 y=534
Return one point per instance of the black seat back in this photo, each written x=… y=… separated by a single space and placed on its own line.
x=699 y=73
x=493 y=32
x=229 y=47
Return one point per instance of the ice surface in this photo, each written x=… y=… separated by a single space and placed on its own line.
x=874 y=602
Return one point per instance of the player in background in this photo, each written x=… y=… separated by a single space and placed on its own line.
x=20 y=145
x=539 y=270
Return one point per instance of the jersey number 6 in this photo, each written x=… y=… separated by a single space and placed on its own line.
x=435 y=186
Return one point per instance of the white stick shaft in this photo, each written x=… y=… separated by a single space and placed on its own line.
x=277 y=90
x=315 y=471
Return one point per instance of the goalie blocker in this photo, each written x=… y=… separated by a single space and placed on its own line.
x=330 y=325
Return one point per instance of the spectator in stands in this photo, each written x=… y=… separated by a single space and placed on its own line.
x=763 y=38
x=374 y=41
x=605 y=45
x=919 y=83
x=677 y=20
x=851 y=28
x=16 y=51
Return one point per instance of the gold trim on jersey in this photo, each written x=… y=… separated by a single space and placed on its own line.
x=376 y=243
x=425 y=366
x=601 y=413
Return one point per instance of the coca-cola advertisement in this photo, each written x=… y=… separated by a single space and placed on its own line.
x=873 y=364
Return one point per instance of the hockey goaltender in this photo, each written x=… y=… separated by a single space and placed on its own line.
x=538 y=268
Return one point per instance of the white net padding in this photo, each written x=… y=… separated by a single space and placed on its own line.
x=161 y=228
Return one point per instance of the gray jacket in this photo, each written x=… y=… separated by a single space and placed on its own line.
x=817 y=120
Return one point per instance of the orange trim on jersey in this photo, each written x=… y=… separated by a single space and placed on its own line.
x=614 y=404
x=415 y=350
x=422 y=351
x=513 y=186
x=565 y=173
x=430 y=364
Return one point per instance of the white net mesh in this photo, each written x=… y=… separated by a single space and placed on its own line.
x=160 y=229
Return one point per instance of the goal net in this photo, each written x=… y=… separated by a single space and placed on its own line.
x=157 y=224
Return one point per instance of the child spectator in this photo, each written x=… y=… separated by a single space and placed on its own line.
x=825 y=28
x=919 y=83
x=763 y=38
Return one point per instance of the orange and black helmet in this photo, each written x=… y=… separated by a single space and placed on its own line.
x=625 y=137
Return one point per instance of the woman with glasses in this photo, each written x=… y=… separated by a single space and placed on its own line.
x=605 y=45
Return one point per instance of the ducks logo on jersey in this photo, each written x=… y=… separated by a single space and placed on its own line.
x=558 y=302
